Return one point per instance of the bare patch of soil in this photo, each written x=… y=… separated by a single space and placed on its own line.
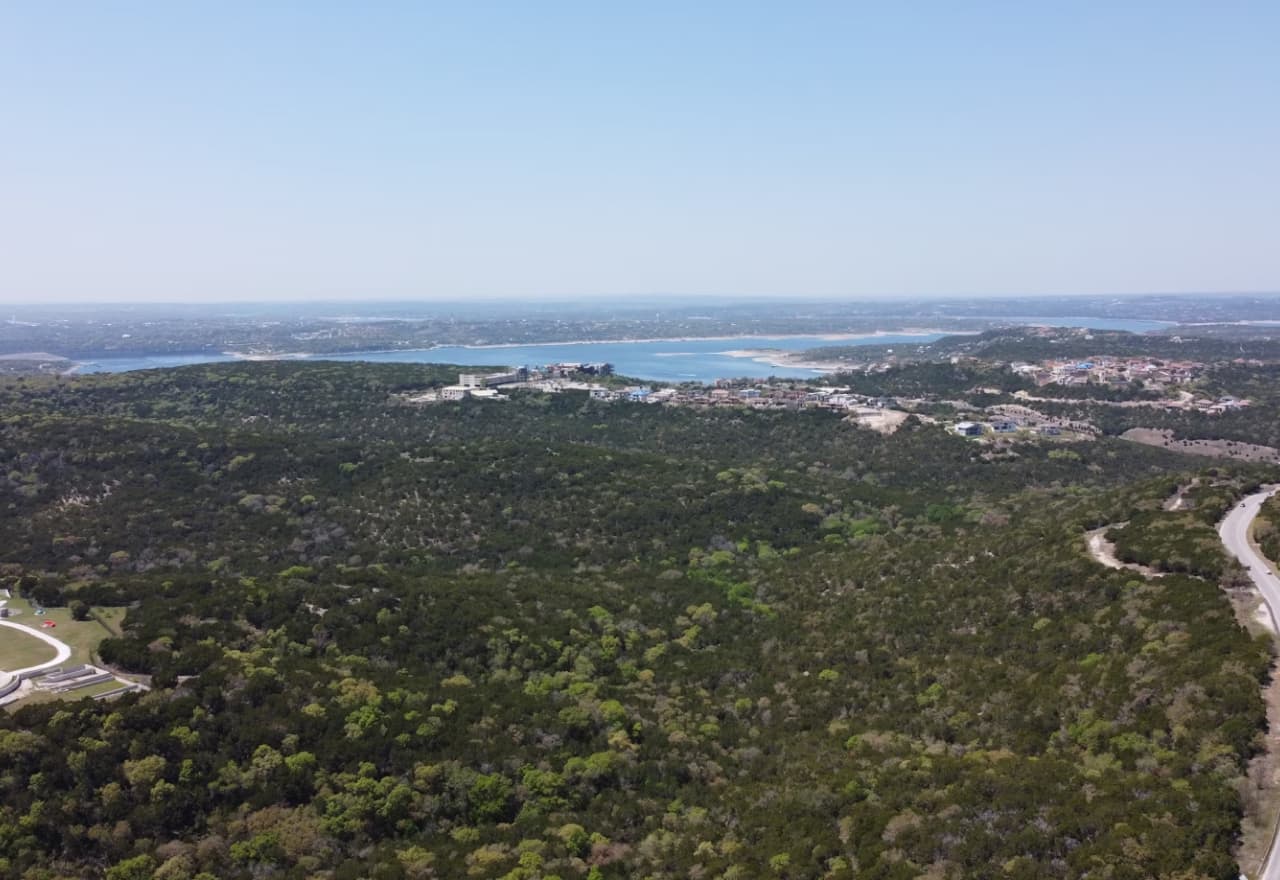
x=886 y=421
x=1215 y=448
x=1178 y=500
x=1104 y=552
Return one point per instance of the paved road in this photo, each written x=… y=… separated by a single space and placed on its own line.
x=1234 y=531
x=64 y=651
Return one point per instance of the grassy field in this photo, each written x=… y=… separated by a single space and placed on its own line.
x=82 y=636
x=18 y=651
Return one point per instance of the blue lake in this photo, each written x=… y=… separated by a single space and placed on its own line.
x=672 y=360
x=148 y=362
x=693 y=360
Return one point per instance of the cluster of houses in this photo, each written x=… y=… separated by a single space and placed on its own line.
x=737 y=393
x=552 y=377
x=1003 y=426
x=1217 y=407
x=1156 y=374
x=1150 y=373
x=788 y=396
x=880 y=413
x=871 y=410
x=555 y=379
x=563 y=370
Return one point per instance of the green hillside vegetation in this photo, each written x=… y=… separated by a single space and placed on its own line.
x=1253 y=424
x=1267 y=529
x=555 y=637
x=1182 y=344
x=1184 y=540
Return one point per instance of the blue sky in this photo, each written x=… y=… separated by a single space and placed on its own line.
x=201 y=151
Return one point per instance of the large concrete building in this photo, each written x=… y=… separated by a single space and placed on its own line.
x=480 y=380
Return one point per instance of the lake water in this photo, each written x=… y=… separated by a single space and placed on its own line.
x=691 y=360
x=673 y=360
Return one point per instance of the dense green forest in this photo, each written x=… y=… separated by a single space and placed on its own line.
x=557 y=637
x=1267 y=530
x=1252 y=424
x=1186 y=539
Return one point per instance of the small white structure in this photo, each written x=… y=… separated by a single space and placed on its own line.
x=455 y=392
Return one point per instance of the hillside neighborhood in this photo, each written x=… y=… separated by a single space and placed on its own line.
x=882 y=413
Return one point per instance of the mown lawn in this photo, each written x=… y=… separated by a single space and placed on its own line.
x=82 y=636
x=18 y=650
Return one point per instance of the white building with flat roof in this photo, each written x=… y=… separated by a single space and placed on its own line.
x=481 y=380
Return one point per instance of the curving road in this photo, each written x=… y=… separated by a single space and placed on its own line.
x=1234 y=531
x=64 y=651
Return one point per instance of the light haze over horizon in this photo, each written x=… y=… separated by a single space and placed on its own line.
x=184 y=152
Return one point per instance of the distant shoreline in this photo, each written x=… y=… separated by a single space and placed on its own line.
x=828 y=337
x=773 y=357
x=42 y=356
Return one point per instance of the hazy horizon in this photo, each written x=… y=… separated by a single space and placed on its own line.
x=420 y=153
x=641 y=300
